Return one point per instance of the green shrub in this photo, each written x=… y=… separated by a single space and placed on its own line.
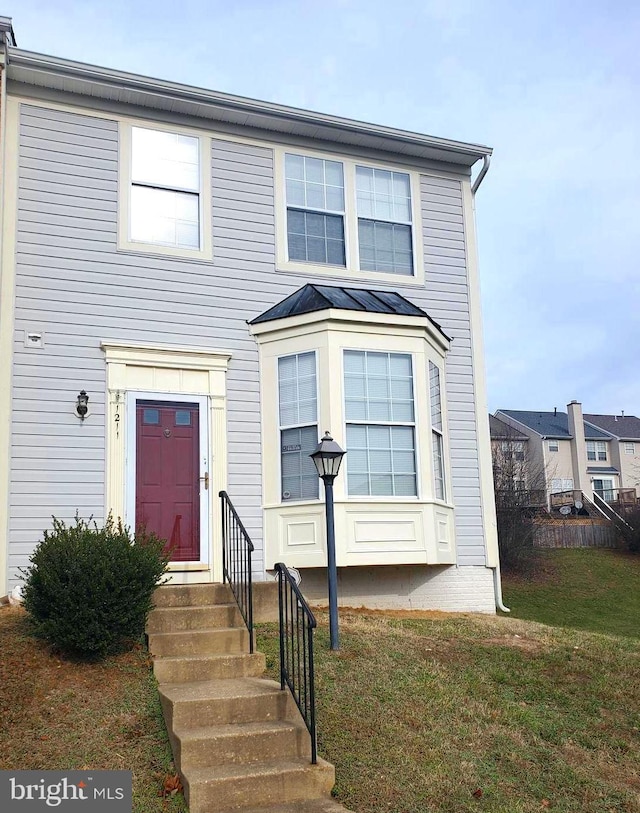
x=88 y=589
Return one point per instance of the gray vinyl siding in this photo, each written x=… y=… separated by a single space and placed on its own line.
x=74 y=286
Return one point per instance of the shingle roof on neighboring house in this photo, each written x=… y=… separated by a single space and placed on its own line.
x=623 y=428
x=499 y=430
x=602 y=470
x=312 y=298
x=552 y=424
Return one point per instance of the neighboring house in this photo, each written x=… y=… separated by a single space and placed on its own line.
x=625 y=451
x=226 y=279
x=579 y=452
x=517 y=476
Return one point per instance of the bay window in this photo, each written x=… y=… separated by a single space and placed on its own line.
x=298 y=417
x=436 y=431
x=380 y=424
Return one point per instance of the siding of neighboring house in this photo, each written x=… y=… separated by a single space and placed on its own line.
x=73 y=285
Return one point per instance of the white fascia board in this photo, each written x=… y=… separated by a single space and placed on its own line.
x=335 y=316
x=212 y=104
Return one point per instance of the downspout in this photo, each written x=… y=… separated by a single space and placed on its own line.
x=497 y=581
x=486 y=160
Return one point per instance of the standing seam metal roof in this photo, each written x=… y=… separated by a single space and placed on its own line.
x=311 y=298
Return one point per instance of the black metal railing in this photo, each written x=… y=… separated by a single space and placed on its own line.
x=297 y=624
x=237 y=548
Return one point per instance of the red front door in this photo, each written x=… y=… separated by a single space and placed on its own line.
x=167 y=475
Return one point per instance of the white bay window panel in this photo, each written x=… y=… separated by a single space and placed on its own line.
x=378 y=396
x=298 y=415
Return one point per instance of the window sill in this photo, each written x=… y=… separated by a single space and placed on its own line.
x=350 y=274
x=150 y=250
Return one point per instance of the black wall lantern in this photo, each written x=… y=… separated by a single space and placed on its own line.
x=82 y=405
x=327 y=458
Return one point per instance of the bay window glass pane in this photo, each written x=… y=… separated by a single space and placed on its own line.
x=165 y=217
x=438 y=466
x=434 y=396
x=297 y=389
x=378 y=386
x=299 y=476
x=165 y=159
x=376 y=467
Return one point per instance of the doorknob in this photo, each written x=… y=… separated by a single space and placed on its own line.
x=206 y=480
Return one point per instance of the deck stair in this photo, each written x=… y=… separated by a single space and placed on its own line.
x=238 y=740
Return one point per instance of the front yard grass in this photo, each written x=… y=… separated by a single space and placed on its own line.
x=455 y=714
x=60 y=715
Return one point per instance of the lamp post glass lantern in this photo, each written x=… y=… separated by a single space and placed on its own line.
x=327 y=458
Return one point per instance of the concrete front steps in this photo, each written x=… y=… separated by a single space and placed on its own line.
x=238 y=741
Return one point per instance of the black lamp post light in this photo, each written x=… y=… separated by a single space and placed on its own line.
x=327 y=458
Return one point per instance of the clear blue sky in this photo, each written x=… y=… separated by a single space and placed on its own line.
x=553 y=87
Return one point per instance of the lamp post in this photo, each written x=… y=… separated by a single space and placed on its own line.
x=327 y=458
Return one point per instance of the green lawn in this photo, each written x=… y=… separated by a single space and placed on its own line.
x=588 y=589
x=497 y=714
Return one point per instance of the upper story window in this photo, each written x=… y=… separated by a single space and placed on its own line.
x=629 y=448
x=436 y=431
x=315 y=210
x=513 y=449
x=165 y=188
x=384 y=220
x=380 y=418
x=596 y=450
x=298 y=416
x=553 y=446
x=348 y=218
x=164 y=192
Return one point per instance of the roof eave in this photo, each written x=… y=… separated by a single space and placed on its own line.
x=26 y=65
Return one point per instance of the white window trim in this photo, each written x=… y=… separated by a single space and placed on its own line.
x=413 y=424
x=205 y=252
x=352 y=270
x=302 y=500
x=596 y=451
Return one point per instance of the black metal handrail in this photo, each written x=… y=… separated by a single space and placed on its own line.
x=237 y=548
x=297 y=624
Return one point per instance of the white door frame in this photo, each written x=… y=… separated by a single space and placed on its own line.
x=131 y=398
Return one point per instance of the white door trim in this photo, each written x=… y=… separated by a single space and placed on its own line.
x=172 y=372
x=132 y=397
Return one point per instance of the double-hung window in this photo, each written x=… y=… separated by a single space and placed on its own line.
x=165 y=195
x=298 y=412
x=315 y=210
x=629 y=448
x=342 y=215
x=436 y=431
x=596 y=450
x=380 y=417
x=384 y=220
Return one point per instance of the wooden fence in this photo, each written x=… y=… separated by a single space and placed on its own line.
x=575 y=533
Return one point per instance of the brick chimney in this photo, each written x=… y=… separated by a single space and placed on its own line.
x=581 y=480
